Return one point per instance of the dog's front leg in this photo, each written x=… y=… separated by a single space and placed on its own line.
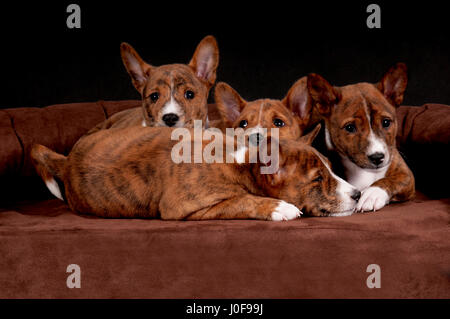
x=249 y=207
x=397 y=185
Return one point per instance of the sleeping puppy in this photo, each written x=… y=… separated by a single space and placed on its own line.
x=131 y=173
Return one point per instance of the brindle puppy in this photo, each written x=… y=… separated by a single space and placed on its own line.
x=290 y=115
x=130 y=173
x=173 y=95
x=360 y=127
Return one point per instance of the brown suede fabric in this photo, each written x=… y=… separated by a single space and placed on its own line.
x=132 y=258
x=423 y=138
x=429 y=123
x=314 y=257
x=56 y=126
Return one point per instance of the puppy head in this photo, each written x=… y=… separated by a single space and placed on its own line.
x=304 y=179
x=175 y=94
x=360 y=119
x=290 y=115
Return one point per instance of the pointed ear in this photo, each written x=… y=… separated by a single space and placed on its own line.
x=299 y=101
x=393 y=84
x=205 y=60
x=229 y=103
x=136 y=67
x=309 y=138
x=323 y=95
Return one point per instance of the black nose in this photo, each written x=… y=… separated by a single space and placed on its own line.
x=255 y=138
x=170 y=119
x=356 y=195
x=376 y=158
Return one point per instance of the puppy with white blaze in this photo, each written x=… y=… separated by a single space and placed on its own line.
x=360 y=128
x=173 y=95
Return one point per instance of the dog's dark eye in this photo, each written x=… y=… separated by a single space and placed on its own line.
x=154 y=96
x=351 y=128
x=386 y=123
x=189 y=95
x=278 y=123
x=243 y=124
x=318 y=179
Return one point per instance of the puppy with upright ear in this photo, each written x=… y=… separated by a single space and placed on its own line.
x=173 y=95
x=360 y=127
x=291 y=116
x=204 y=63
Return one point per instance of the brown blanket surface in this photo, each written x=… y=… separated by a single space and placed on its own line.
x=305 y=258
x=56 y=126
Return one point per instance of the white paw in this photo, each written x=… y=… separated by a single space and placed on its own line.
x=285 y=211
x=372 y=199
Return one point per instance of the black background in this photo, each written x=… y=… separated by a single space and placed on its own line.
x=264 y=46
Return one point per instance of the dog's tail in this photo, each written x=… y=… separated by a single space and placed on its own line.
x=50 y=166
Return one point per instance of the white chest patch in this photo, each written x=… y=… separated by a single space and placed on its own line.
x=362 y=178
